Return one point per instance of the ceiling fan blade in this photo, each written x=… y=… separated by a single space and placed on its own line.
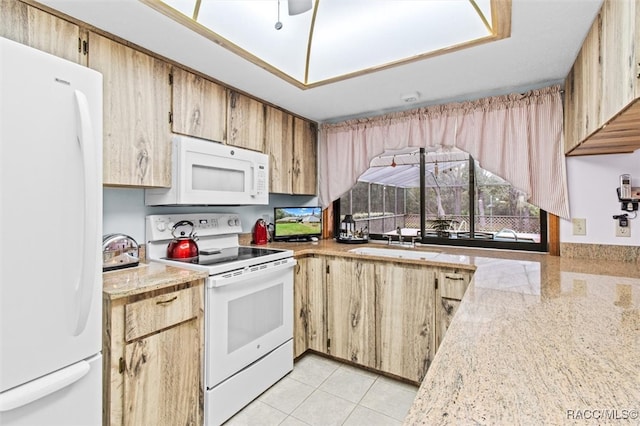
x=298 y=6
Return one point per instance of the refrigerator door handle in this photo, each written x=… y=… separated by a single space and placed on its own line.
x=39 y=388
x=85 y=287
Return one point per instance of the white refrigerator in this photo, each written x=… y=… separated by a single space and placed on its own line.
x=50 y=244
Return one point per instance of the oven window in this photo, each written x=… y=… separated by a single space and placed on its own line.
x=254 y=315
x=217 y=179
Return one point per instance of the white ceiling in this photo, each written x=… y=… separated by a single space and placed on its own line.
x=327 y=42
x=546 y=36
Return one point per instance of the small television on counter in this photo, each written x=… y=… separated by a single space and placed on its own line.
x=297 y=223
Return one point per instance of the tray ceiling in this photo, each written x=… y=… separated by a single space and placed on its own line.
x=337 y=39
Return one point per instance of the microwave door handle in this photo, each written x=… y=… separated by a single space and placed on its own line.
x=254 y=180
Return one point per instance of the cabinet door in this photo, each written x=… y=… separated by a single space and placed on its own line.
x=616 y=55
x=304 y=157
x=137 y=137
x=405 y=314
x=350 y=310
x=38 y=29
x=279 y=147
x=451 y=288
x=300 y=301
x=199 y=106
x=309 y=326
x=162 y=378
x=316 y=304
x=245 y=127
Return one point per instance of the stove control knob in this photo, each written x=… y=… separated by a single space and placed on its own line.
x=161 y=226
x=236 y=222
x=232 y=222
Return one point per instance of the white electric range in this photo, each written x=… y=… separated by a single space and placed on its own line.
x=248 y=308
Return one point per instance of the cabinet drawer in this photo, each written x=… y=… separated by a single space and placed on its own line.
x=156 y=313
x=453 y=285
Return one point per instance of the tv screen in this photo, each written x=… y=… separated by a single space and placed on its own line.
x=297 y=223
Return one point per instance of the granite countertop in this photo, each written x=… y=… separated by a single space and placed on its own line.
x=554 y=341
x=143 y=278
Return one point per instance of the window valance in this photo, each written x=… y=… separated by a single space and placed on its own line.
x=518 y=137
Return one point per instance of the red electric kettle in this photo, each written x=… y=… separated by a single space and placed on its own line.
x=260 y=234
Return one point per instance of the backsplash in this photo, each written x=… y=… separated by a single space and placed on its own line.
x=124 y=210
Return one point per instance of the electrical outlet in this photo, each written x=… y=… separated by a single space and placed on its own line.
x=623 y=231
x=579 y=226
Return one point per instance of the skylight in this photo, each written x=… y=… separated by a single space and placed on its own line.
x=339 y=39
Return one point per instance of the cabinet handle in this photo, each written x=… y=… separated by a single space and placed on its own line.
x=164 y=302
x=454 y=278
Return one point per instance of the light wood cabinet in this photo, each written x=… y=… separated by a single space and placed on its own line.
x=602 y=90
x=137 y=97
x=452 y=284
x=309 y=306
x=387 y=316
x=351 y=310
x=279 y=147
x=404 y=312
x=199 y=106
x=291 y=143
x=305 y=154
x=153 y=357
x=245 y=122
x=43 y=31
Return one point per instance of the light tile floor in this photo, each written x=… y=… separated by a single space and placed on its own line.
x=320 y=391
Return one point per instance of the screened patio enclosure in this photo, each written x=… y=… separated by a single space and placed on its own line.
x=442 y=196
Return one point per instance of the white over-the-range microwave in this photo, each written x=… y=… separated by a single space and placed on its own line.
x=211 y=173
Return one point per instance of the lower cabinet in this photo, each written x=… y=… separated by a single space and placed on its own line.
x=404 y=319
x=452 y=285
x=309 y=306
x=351 y=310
x=153 y=356
x=387 y=316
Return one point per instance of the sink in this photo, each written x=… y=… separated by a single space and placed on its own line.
x=399 y=254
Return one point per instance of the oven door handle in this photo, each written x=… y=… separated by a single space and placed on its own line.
x=248 y=273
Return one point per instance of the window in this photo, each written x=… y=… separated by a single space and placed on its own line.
x=456 y=202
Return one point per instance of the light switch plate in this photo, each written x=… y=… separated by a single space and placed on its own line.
x=579 y=226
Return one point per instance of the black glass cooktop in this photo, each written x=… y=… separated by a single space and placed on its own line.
x=226 y=255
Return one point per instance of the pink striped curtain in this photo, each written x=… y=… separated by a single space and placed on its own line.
x=517 y=137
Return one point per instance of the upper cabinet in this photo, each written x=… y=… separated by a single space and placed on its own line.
x=199 y=106
x=291 y=145
x=601 y=108
x=137 y=97
x=279 y=147
x=245 y=122
x=305 y=153
x=38 y=29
